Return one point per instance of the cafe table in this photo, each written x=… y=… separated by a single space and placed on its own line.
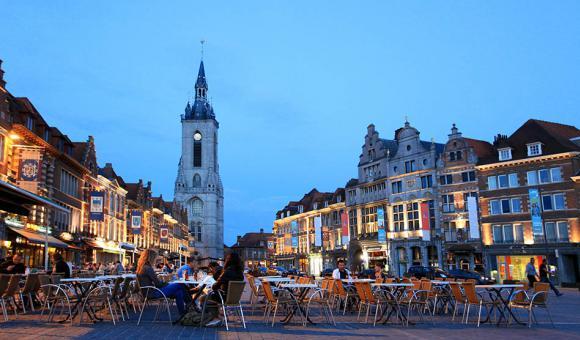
x=393 y=292
x=298 y=292
x=82 y=286
x=495 y=293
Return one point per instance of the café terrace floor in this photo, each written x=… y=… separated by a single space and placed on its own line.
x=565 y=311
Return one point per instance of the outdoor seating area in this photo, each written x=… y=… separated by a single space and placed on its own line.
x=276 y=301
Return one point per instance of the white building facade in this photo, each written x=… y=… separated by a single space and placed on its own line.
x=198 y=186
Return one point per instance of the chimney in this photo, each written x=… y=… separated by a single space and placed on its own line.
x=261 y=230
x=2 y=82
x=238 y=240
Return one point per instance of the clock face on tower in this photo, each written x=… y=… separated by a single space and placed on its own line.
x=197 y=136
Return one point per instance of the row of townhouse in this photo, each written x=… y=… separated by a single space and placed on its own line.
x=53 y=192
x=466 y=204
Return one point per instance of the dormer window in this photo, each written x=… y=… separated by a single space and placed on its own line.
x=300 y=209
x=338 y=199
x=315 y=205
x=29 y=123
x=326 y=204
x=505 y=154
x=534 y=149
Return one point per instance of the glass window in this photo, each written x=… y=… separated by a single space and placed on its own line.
x=497 y=234
x=459 y=156
x=505 y=206
x=556 y=175
x=413 y=216
x=559 y=202
x=547 y=202
x=508 y=232
x=505 y=154
x=196 y=207
x=563 y=231
x=519 y=233
x=2 y=148
x=398 y=217
x=544 y=176
x=534 y=149
x=503 y=181
x=426 y=181
x=397 y=187
x=532 y=177
x=516 y=205
x=492 y=182
x=495 y=207
x=550 y=231
x=513 y=180
x=448 y=203
x=410 y=166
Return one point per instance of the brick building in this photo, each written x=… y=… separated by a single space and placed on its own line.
x=255 y=249
x=529 y=200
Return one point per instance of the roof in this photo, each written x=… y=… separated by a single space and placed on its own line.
x=554 y=138
x=201 y=108
x=313 y=196
x=481 y=148
x=254 y=239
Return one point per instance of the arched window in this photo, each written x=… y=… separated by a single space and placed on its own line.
x=196 y=207
x=197 y=149
x=196 y=181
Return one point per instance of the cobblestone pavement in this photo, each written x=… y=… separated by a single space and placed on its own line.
x=565 y=311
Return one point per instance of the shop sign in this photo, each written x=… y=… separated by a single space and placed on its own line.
x=97 y=202
x=473 y=221
x=382 y=233
x=344 y=224
x=317 y=231
x=136 y=218
x=536 y=212
x=425 y=221
x=164 y=234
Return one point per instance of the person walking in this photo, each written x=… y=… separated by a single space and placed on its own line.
x=545 y=277
x=531 y=273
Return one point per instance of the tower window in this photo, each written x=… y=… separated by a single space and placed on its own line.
x=196 y=181
x=197 y=207
x=197 y=150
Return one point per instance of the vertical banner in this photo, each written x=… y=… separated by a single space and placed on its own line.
x=136 y=218
x=473 y=221
x=425 y=222
x=29 y=169
x=287 y=243
x=164 y=234
x=381 y=225
x=345 y=233
x=318 y=231
x=96 y=206
x=294 y=229
x=536 y=212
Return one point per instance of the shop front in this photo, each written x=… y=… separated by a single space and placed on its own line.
x=286 y=262
x=513 y=267
x=105 y=252
x=31 y=243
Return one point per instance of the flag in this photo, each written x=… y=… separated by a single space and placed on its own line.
x=97 y=202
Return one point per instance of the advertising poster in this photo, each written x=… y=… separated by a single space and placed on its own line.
x=294 y=229
x=536 y=212
x=317 y=231
x=473 y=221
x=345 y=233
x=425 y=221
x=136 y=218
x=381 y=225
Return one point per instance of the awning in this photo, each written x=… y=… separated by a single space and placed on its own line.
x=127 y=246
x=39 y=238
x=99 y=245
x=461 y=248
x=14 y=199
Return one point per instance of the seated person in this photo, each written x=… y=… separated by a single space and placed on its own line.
x=188 y=267
x=60 y=266
x=13 y=265
x=147 y=277
x=341 y=273
x=233 y=271
x=378 y=273
x=206 y=283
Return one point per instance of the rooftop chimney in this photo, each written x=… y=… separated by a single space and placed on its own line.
x=261 y=230
x=2 y=82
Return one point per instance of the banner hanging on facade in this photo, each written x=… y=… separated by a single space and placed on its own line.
x=97 y=203
x=344 y=223
x=317 y=231
x=136 y=219
x=29 y=168
x=164 y=234
x=425 y=221
x=473 y=221
x=536 y=212
x=382 y=233
x=294 y=229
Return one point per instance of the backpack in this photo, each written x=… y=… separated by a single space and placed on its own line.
x=193 y=317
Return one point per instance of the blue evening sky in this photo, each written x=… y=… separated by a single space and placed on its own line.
x=294 y=84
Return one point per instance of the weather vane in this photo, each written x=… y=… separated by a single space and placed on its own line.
x=202 y=41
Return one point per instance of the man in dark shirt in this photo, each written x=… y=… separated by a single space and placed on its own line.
x=341 y=273
x=60 y=266
x=545 y=277
x=13 y=266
